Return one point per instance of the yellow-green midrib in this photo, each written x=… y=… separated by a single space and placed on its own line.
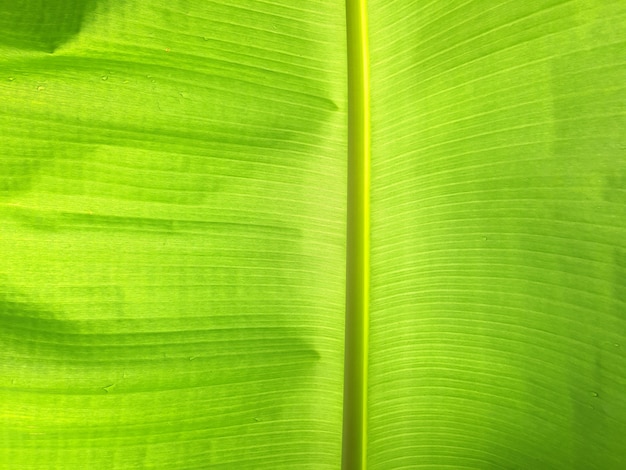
x=358 y=245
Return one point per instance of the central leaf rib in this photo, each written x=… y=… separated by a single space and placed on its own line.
x=358 y=241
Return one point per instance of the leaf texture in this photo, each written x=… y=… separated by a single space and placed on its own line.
x=173 y=235
x=498 y=226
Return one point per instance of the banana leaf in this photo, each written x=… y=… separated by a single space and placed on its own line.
x=177 y=209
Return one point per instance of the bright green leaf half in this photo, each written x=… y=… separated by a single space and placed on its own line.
x=498 y=310
x=173 y=237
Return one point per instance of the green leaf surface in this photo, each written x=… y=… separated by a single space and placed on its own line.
x=498 y=326
x=173 y=238
x=179 y=197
